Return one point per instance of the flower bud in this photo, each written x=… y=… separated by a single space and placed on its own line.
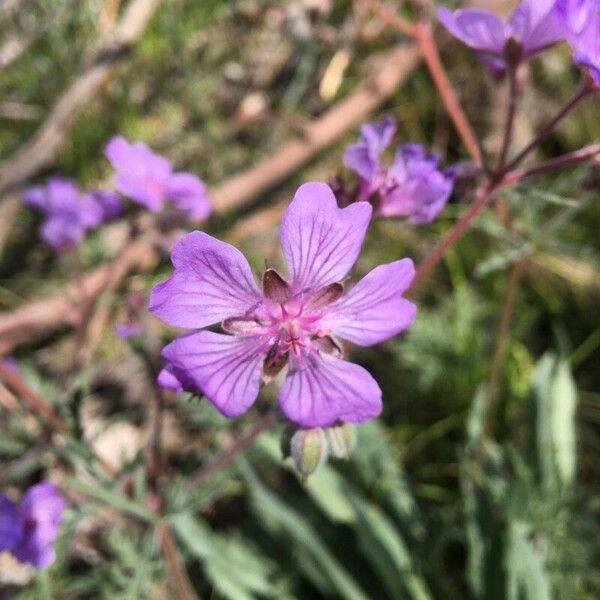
x=341 y=440
x=309 y=450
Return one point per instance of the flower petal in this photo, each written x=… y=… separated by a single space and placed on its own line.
x=478 y=29
x=212 y=281
x=320 y=241
x=363 y=157
x=11 y=528
x=188 y=193
x=43 y=505
x=321 y=389
x=225 y=368
x=537 y=24
x=374 y=309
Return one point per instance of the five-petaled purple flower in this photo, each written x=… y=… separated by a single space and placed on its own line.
x=296 y=322
x=582 y=25
x=148 y=179
x=412 y=186
x=69 y=214
x=28 y=531
x=533 y=26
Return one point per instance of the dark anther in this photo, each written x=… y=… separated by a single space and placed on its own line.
x=275 y=288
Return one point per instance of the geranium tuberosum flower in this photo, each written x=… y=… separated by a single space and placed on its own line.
x=28 y=530
x=532 y=27
x=582 y=24
x=148 y=179
x=69 y=214
x=412 y=186
x=295 y=322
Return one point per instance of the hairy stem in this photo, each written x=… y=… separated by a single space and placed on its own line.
x=502 y=335
x=422 y=33
x=572 y=158
x=433 y=258
x=549 y=127
x=185 y=591
x=225 y=457
x=513 y=96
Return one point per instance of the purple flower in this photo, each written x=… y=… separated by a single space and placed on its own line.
x=296 y=322
x=69 y=214
x=582 y=24
x=29 y=530
x=532 y=27
x=148 y=179
x=128 y=330
x=412 y=187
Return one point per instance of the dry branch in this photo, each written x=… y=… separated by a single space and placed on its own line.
x=41 y=150
x=42 y=317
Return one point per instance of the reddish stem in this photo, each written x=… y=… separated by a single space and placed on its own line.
x=18 y=384
x=184 y=588
x=225 y=457
x=582 y=155
x=510 y=116
x=548 y=128
x=422 y=33
x=502 y=335
x=431 y=55
x=433 y=258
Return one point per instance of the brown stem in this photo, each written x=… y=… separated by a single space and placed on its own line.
x=433 y=258
x=572 y=158
x=548 y=128
x=510 y=116
x=429 y=50
x=422 y=33
x=17 y=383
x=502 y=335
x=387 y=16
x=265 y=422
x=182 y=584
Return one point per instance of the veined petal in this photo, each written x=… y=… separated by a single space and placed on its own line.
x=320 y=241
x=321 y=389
x=478 y=29
x=212 y=281
x=374 y=309
x=11 y=528
x=537 y=24
x=225 y=368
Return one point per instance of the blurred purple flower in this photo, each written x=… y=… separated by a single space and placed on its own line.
x=28 y=531
x=148 y=179
x=582 y=25
x=294 y=323
x=532 y=27
x=128 y=330
x=412 y=187
x=69 y=214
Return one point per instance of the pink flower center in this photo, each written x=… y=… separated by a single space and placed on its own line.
x=291 y=328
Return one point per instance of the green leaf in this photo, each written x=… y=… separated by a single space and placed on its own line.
x=234 y=568
x=526 y=565
x=324 y=570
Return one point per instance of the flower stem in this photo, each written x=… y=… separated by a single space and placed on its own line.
x=513 y=96
x=433 y=258
x=514 y=279
x=18 y=384
x=225 y=457
x=548 y=128
x=572 y=158
x=185 y=591
x=422 y=33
